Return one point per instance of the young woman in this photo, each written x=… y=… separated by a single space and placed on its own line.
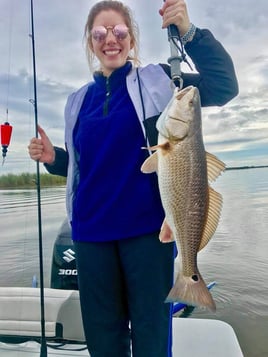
x=115 y=211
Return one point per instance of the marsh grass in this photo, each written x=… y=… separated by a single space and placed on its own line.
x=28 y=180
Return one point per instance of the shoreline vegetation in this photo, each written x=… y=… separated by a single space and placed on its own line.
x=28 y=180
x=246 y=167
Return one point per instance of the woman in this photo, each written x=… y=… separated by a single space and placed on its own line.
x=115 y=211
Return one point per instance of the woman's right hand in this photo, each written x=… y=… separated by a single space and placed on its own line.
x=41 y=149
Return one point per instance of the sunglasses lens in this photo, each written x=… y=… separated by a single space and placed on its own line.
x=120 y=32
x=99 y=33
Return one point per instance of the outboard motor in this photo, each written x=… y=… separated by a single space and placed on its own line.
x=63 y=268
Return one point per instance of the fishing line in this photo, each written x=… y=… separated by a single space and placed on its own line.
x=6 y=128
x=10 y=34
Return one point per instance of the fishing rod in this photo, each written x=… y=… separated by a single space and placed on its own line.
x=177 y=55
x=43 y=349
x=175 y=60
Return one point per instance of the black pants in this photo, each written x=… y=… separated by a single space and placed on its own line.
x=124 y=284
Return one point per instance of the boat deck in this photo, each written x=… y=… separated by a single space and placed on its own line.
x=191 y=338
x=20 y=318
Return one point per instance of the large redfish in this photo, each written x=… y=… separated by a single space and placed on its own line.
x=192 y=207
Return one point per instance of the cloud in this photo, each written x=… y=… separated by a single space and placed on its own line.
x=237 y=132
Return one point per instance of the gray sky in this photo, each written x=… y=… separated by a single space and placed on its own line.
x=237 y=133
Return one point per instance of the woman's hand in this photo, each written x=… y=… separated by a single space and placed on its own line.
x=175 y=12
x=41 y=149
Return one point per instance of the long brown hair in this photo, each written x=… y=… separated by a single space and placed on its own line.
x=126 y=13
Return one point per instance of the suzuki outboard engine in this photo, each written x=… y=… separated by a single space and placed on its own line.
x=63 y=269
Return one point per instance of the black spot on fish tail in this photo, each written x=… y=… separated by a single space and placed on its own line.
x=192 y=291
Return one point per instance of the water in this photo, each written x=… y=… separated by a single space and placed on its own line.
x=19 y=237
x=236 y=258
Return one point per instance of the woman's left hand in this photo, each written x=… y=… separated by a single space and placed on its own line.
x=175 y=12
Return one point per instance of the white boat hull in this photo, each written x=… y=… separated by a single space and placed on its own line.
x=20 y=317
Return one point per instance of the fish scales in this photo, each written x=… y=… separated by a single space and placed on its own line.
x=185 y=197
x=192 y=208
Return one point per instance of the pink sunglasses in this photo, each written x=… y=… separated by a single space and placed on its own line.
x=99 y=33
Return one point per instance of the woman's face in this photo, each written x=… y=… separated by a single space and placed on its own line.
x=111 y=51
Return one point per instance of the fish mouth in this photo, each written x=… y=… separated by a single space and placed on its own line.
x=183 y=92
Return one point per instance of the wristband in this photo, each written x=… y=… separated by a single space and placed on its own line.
x=188 y=36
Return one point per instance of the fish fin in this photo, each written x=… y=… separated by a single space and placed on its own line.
x=166 y=235
x=150 y=164
x=214 y=166
x=193 y=292
x=151 y=148
x=165 y=146
x=213 y=216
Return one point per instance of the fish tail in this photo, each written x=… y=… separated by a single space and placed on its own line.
x=191 y=291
